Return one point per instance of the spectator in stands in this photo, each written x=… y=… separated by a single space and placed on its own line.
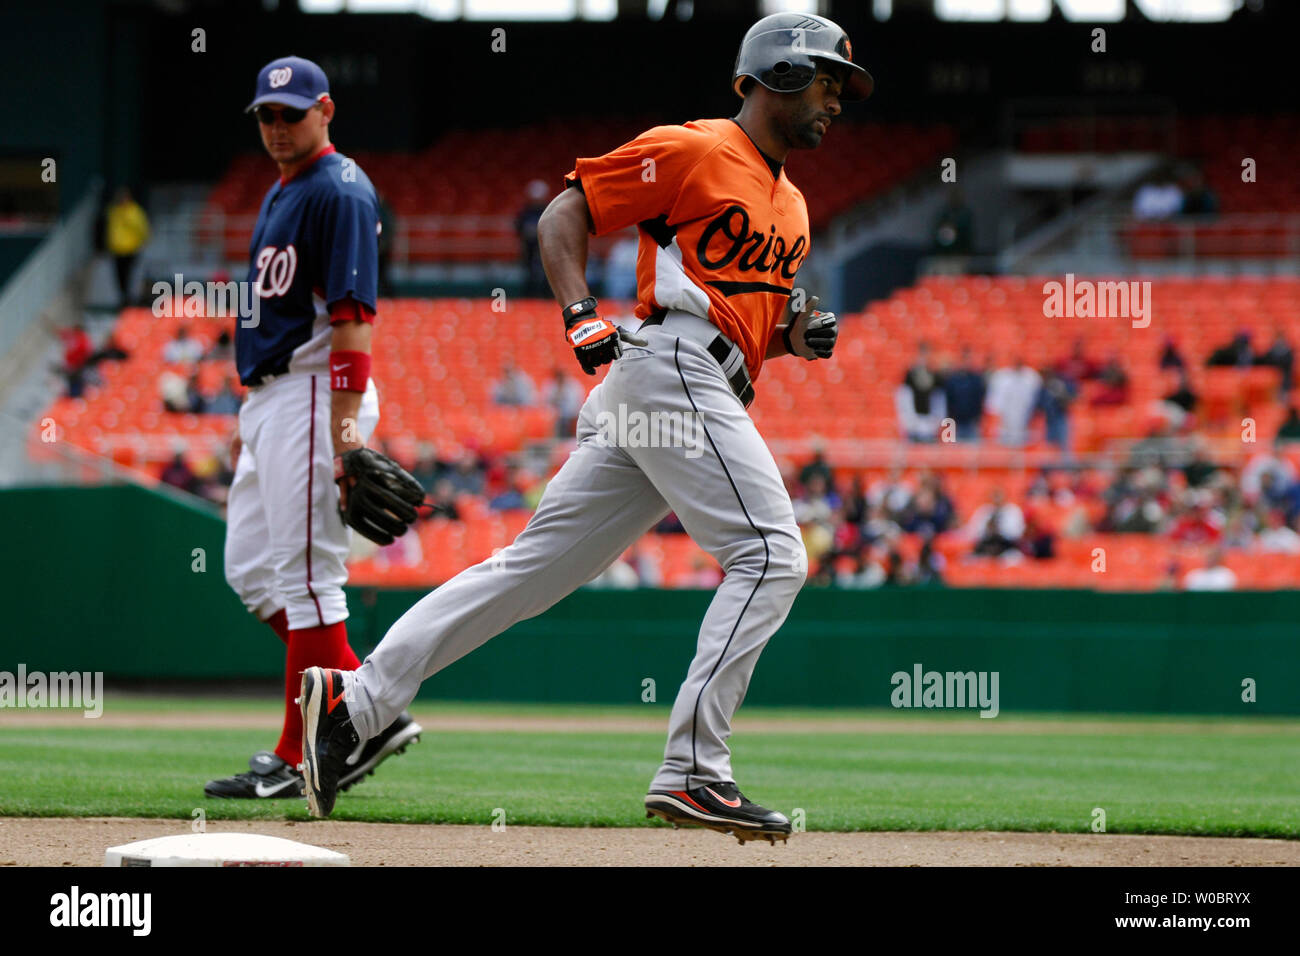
x=1134 y=502
x=1215 y=576
x=1281 y=356
x=954 y=228
x=467 y=475
x=126 y=230
x=1054 y=398
x=514 y=387
x=179 y=475
x=443 y=501
x=867 y=571
x=620 y=268
x=1039 y=540
x=964 y=392
x=175 y=392
x=816 y=510
x=930 y=511
x=77 y=349
x=1077 y=367
x=225 y=402
x=1253 y=482
x=929 y=565
x=565 y=396
x=512 y=497
x=1170 y=357
x=1290 y=428
x=1201 y=523
x=1276 y=491
x=879 y=525
x=818 y=466
x=1198 y=198
x=530 y=258
x=1114 y=381
x=920 y=400
x=427 y=469
x=855 y=502
x=996 y=527
x=1239 y=531
x=1012 y=394
x=182 y=350
x=1236 y=353
x=1277 y=537
x=196 y=401
x=1158 y=200
x=1183 y=399
x=892 y=493
x=222 y=350
x=1200 y=469
x=817 y=503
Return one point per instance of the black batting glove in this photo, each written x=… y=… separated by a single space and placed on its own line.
x=595 y=341
x=811 y=334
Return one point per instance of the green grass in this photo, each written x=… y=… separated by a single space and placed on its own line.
x=1189 y=776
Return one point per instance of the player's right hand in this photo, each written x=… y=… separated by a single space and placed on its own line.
x=595 y=341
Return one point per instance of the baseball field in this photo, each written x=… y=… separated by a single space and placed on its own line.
x=502 y=784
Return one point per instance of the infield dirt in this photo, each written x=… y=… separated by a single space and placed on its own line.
x=81 y=842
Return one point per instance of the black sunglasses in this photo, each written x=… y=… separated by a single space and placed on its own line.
x=267 y=115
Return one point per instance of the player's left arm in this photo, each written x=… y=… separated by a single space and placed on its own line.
x=350 y=240
x=350 y=340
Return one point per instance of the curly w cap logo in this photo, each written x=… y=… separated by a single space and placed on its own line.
x=280 y=77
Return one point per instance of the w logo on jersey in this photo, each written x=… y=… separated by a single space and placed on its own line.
x=278 y=78
x=275 y=269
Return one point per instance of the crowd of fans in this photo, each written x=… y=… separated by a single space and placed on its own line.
x=939 y=402
x=853 y=529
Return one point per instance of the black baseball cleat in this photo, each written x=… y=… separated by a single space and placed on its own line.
x=367 y=756
x=328 y=737
x=721 y=807
x=268 y=778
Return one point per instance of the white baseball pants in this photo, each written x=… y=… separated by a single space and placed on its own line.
x=285 y=542
x=723 y=484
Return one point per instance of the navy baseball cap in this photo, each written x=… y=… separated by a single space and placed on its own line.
x=290 y=81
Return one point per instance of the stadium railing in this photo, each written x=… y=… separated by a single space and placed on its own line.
x=65 y=250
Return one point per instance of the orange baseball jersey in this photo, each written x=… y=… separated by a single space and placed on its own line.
x=719 y=236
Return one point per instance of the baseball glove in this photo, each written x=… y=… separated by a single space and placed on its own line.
x=377 y=496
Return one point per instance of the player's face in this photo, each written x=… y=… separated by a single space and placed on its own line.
x=809 y=112
x=290 y=142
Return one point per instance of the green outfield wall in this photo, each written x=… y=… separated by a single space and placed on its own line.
x=129 y=582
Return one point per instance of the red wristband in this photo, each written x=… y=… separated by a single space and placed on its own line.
x=349 y=371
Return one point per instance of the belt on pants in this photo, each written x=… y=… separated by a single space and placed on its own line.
x=705 y=334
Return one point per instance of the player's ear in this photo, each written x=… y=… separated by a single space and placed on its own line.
x=327 y=109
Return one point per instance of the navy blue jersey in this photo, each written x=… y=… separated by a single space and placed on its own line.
x=315 y=243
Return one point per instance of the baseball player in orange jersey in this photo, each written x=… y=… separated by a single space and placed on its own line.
x=723 y=233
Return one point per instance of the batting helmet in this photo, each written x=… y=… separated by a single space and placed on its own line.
x=781 y=52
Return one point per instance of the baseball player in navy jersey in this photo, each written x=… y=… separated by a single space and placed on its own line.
x=305 y=359
x=722 y=233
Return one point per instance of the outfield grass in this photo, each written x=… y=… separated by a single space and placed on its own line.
x=1165 y=777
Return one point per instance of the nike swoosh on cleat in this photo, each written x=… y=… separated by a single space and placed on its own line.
x=262 y=790
x=731 y=803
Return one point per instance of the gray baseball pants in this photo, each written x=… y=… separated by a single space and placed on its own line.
x=713 y=469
